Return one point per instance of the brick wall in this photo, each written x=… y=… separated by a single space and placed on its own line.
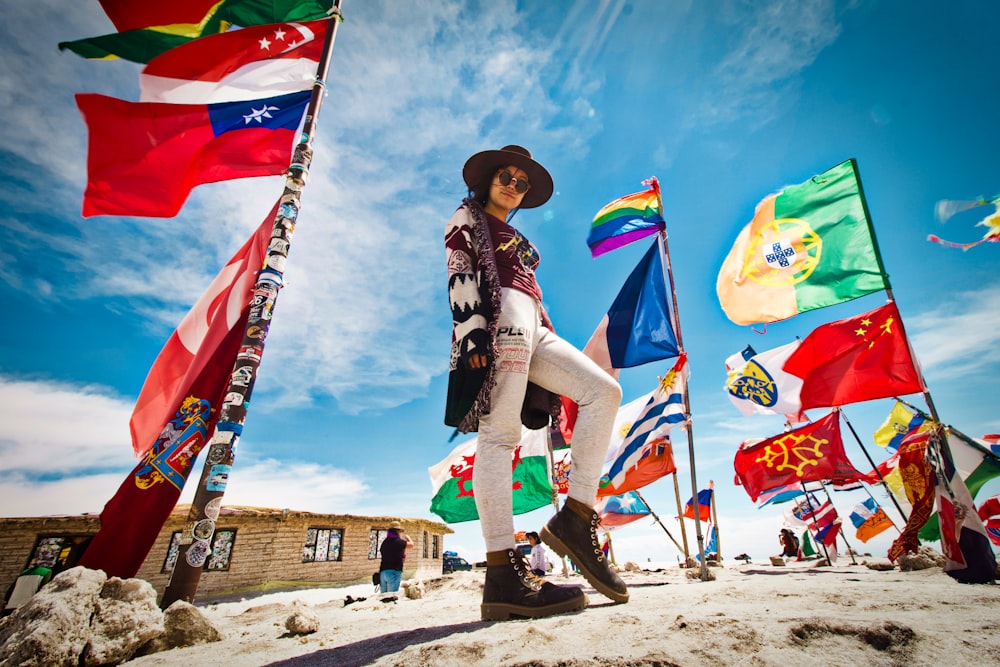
x=266 y=553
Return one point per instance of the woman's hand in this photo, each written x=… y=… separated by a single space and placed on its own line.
x=476 y=361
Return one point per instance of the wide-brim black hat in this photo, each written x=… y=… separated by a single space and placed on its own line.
x=482 y=166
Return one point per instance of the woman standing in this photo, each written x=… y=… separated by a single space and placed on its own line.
x=502 y=339
x=393 y=552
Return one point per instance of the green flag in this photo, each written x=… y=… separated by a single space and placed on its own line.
x=454 y=500
x=808 y=246
x=975 y=464
x=143 y=45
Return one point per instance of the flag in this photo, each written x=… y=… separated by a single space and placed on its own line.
x=808 y=246
x=255 y=62
x=636 y=329
x=901 y=420
x=656 y=461
x=825 y=523
x=919 y=484
x=948 y=207
x=626 y=219
x=704 y=505
x=988 y=512
x=809 y=453
x=131 y=521
x=210 y=333
x=562 y=462
x=783 y=494
x=664 y=410
x=620 y=510
x=855 y=359
x=976 y=465
x=454 y=496
x=761 y=385
x=177 y=23
x=177 y=410
x=869 y=519
x=964 y=541
x=144 y=158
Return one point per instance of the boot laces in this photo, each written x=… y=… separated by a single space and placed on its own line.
x=523 y=568
x=595 y=523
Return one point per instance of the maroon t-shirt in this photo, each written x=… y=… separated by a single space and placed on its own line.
x=516 y=257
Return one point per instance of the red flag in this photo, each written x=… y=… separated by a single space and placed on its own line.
x=656 y=462
x=809 y=453
x=144 y=158
x=855 y=359
x=194 y=355
x=250 y=63
x=920 y=482
x=179 y=406
x=132 y=15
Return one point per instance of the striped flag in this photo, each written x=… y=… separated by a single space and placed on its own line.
x=869 y=519
x=626 y=219
x=664 y=410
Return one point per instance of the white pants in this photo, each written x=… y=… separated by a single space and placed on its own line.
x=530 y=351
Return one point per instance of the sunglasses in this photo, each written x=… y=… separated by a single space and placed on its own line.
x=506 y=178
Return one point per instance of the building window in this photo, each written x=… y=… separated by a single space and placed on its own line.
x=424 y=545
x=436 y=547
x=222 y=550
x=375 y=538
x=58 y=552
x=322 y=544
x=172 y=550
x=218 y=560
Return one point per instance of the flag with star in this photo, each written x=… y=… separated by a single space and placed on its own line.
x=259 y=61
x=806 y=454
x=144 y=158
x=809 y=246
x=147 y=29
x=855 y=359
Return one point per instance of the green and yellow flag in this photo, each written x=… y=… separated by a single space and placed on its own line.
x=807 y=247
x=142 y=45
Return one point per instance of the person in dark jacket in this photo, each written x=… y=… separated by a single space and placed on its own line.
x=393 y=551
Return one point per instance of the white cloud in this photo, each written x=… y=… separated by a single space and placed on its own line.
x=961 y=337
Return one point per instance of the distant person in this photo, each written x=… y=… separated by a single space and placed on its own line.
x=25 y=586
x=393 y=550
x=789 y=543
x=538 y=563
x=504 y=350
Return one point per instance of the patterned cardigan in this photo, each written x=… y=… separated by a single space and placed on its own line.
x=474 y=295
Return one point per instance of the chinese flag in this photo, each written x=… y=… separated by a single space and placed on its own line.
x=855 y=359
x=809 y=453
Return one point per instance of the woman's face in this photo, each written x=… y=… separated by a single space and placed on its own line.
x=507 y=196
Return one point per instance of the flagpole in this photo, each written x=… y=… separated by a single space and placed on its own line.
x=878 y=472
x=850 y=549
x=715 y=522
x=888 y=287
x=875 y=500
x=680 y=514
x=676 y=322
x=657 y=519
x=196 y=537
x=812 y=513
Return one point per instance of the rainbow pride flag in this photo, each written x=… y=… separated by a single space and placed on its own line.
x=626 y=219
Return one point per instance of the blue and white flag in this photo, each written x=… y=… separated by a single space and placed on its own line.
x=664 y=410
x=761 y=386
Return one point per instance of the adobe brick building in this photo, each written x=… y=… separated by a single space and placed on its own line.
x=253 y=550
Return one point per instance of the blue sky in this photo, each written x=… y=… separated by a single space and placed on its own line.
x=725 y=102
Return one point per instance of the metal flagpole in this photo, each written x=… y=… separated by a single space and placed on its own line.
x=196 y=538
x=676 y=322
x=657 y=518
x=812 y=512
x=843 y=535
x=878 y=472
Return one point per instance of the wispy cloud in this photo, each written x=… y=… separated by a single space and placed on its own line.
x=961 y=337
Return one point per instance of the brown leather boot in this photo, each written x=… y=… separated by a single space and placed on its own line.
x=511 y=589
x=572 y=532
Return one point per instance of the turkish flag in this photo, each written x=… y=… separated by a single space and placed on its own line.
x=813 y=452
x=855 y=359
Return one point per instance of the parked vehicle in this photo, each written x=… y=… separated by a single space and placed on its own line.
x=451 y=564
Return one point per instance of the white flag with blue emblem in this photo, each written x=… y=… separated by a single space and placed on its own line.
x=761 y=386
